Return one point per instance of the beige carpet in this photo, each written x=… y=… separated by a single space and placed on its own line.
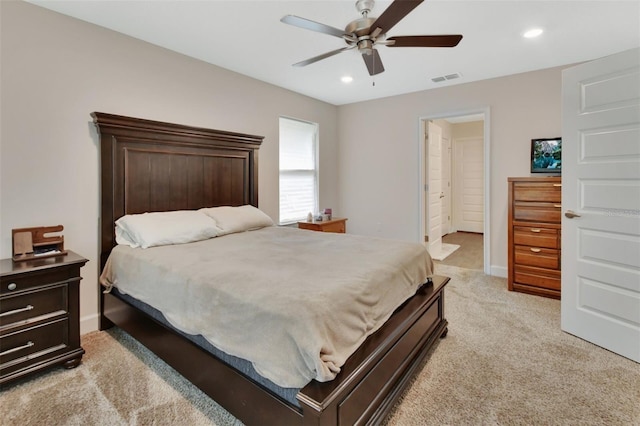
x=504 y=361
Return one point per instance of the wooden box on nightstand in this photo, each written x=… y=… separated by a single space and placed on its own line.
x=39 y=314
x=337 y=225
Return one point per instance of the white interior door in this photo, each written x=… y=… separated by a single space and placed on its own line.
x=601 y=184
x=469 y=185
x=434 y=194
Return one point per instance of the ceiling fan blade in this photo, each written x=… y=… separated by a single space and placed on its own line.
x=373 y=62
x=321 y=57
x=394 y=13
x=313 y=26
x=450 y=40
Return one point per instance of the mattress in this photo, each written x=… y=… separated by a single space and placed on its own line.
x=293 y=303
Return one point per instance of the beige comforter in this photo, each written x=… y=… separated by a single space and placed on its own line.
x=294 y=303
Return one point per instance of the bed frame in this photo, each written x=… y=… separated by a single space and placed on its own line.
x=153 y=166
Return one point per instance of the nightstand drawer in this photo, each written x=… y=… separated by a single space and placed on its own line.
x=30 y=344
x=536 y=237
x=338 y=227
x=31 y=306
x=11 y=284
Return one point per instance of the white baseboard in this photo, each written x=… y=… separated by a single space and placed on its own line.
x=499 y=271
x=89 y=323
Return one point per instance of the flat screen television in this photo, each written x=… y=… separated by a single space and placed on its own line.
x=546 y=155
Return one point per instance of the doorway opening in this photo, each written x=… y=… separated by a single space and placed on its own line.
x=454 y=188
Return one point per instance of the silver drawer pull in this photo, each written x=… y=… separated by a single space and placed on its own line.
x=557 y=184
x=12 y=286
x=19 y=348
x=535 y=250
x=557 y=206
x=16 y=311
x=536 y=230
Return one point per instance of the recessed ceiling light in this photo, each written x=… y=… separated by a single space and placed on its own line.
x=347 y=79
x=532 y=33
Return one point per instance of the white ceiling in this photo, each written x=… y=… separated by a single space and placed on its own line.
x=248 y=37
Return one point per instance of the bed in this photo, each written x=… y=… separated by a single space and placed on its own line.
x=150 y=166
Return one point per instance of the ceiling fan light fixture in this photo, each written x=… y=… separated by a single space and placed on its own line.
x=365 y=47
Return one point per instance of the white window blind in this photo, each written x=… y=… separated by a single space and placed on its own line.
x=298 y=169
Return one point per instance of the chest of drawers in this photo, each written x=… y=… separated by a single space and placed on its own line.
x=39 y=314
x=534 y=235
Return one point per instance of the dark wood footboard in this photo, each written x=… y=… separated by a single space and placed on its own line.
x=374 y=377
x=364 y=392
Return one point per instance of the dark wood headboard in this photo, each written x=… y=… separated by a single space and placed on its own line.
x=151 y=166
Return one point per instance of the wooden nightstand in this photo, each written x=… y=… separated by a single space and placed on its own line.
x=39 y=314
x=337 y=224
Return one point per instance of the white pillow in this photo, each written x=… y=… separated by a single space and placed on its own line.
x=238 y=219
x=163 y=228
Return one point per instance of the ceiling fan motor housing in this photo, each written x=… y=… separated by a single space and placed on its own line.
x=359 y=27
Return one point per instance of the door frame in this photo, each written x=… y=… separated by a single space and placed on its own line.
x=486 y=112
x=433 y=228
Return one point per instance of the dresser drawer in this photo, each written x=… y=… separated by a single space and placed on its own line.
x=536 y=212
x=537 y=191
x=537 y=256
x=537 y=277
x=536 y=237
x=34 y=305
x=27 y=346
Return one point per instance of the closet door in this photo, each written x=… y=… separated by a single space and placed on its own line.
x=469 y=184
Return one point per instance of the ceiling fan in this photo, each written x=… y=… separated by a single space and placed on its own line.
x=368 y=32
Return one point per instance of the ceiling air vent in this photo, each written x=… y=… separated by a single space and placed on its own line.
x=446 y=77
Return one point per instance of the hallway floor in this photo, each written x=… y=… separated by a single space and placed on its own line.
x=470 y=255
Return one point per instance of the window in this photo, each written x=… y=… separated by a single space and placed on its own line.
x=298 y=169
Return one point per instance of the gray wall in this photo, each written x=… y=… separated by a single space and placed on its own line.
x=56 y=70
x=380 y=140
